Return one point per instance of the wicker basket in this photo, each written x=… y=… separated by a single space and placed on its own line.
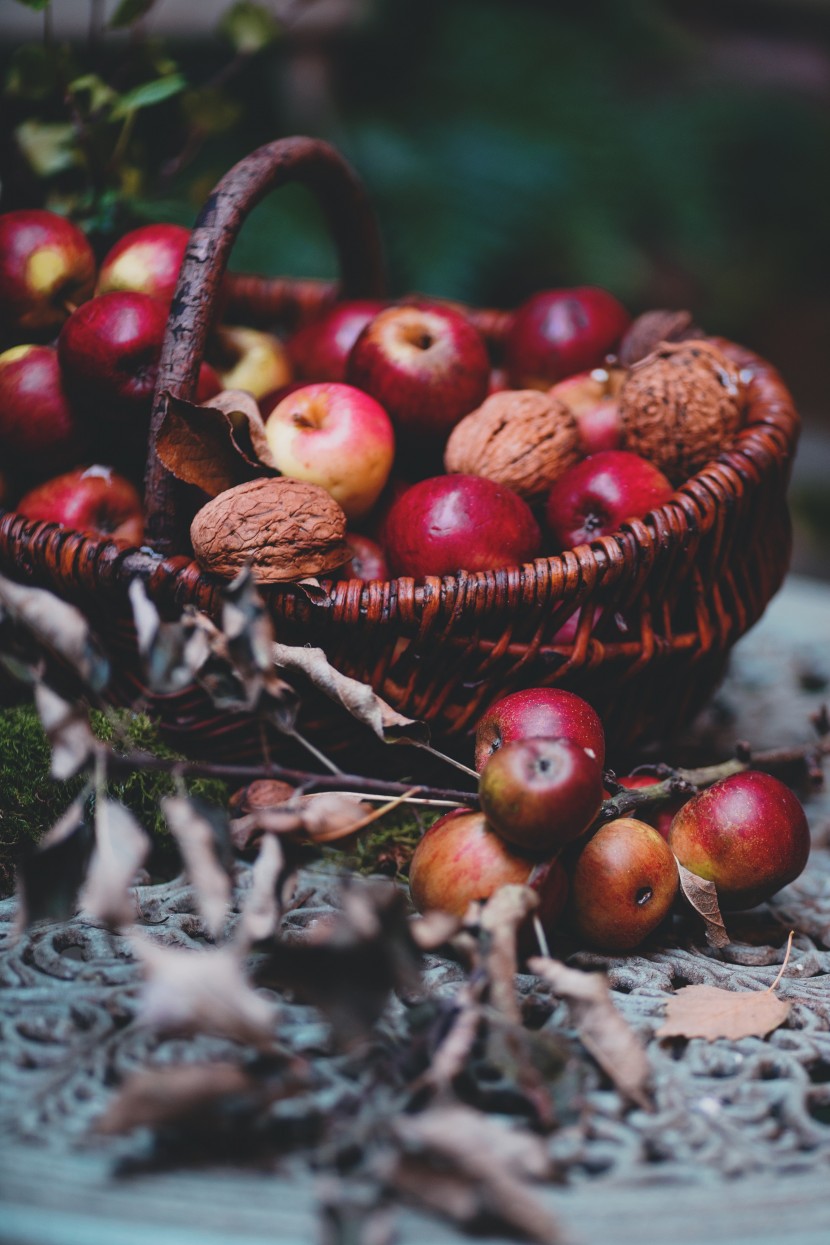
x=660 y=602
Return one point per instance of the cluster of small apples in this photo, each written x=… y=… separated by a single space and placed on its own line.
x=540 y=755
x=81 y=344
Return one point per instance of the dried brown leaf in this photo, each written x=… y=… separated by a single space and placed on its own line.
x=324 y=818
x=710 y=1012
x=205 y=445
x=703 y=897
x=434 y=929
x=58 y=627
x=121 y=847
x=358 y=698
x=68 y=731
x=202 y=991
x=464 y=1164
x=181 y=1094
x=196 y=835
x=500 y=919
x=261 y=909
x=606 y=1035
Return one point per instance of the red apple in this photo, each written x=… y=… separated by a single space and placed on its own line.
x=592 y=396
x=109 y=351
x=540 y=794
x=559 y=332
x=748 y=834
x=623 y=885
x=249 y=359
x=427 y=365
x=38 y=428
x=368 y=559
x=597 y=494
x=660 y=816
x=336 y=436
x=92 y=499
x=320 y=349
x=447 y=523
x=46 y=267
x=461 y=860
x=146 y=260
x=539 y=713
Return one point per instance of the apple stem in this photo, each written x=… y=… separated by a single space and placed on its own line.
x=783 y=967
x=442 y=756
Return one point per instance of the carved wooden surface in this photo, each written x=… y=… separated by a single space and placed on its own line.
x=736 y=1150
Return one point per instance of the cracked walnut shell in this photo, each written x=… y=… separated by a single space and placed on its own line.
x=283 y=529
x=521 y=438
x=680 y=406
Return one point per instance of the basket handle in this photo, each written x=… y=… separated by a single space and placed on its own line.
x=353 y=227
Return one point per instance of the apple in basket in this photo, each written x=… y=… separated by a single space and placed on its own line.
x=46 y=268
x=249 y=359
x=559 y=332
x=39 y=433
x=89 y=499
x=321 y=348
x=109 y=351
x=336 y=436
x=447 y=523
x=594 y=496
x=428 y=367
x=146 y=260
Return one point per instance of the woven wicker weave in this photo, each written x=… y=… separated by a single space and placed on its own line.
x=661 y=601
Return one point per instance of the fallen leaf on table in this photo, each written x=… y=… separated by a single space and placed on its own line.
x=323 y=817
x=710 y=1012
x=202 y=835
x=603 y=1031
x=159 y=1096
x=261 y=907
x=703 y=897
x=500 y=919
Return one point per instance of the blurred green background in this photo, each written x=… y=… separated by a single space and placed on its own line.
x=675 y=152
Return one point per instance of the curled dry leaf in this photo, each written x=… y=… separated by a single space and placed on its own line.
x=121 y=847
x=261 y=908
x=173 y=653
x=216 y=445
x=606 y=1035
x=710 y=1012
x=461 y=1163
x=703 y=897
x=58 y=627
x=67 y=729
x=204 y=842
x=500 y=919
x=324 y=818
x=283 y=529
x=184 y=1094
x=358 y=698
x=202 y=991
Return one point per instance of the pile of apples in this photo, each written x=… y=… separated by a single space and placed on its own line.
x=540 y=756
x=360 y=401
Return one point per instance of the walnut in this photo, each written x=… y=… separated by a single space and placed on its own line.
x=521 y=438
x=284 y=529
x=680 y=406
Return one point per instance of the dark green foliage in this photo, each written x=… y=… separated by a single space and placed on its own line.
x=31 y=801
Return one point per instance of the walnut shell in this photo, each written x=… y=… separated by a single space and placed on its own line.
x=521 y=438
x=680 y=406
x=284 y=529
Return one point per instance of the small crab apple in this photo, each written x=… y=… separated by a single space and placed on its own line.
x=39 y=432
x=46 y=268
x=89 y=499
x=146 y=260
x=623 y=884
x=461 y=859
x=559 y=332
x=336 y=436
x=592 y=396
x=748 y=834
x=539 y=713
x=321 y=348
x=448 y=523
x=597 y=494
x=426 y=364
x=540 y=794
x=368 y=560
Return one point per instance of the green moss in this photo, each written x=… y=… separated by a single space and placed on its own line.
x=31 y=800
